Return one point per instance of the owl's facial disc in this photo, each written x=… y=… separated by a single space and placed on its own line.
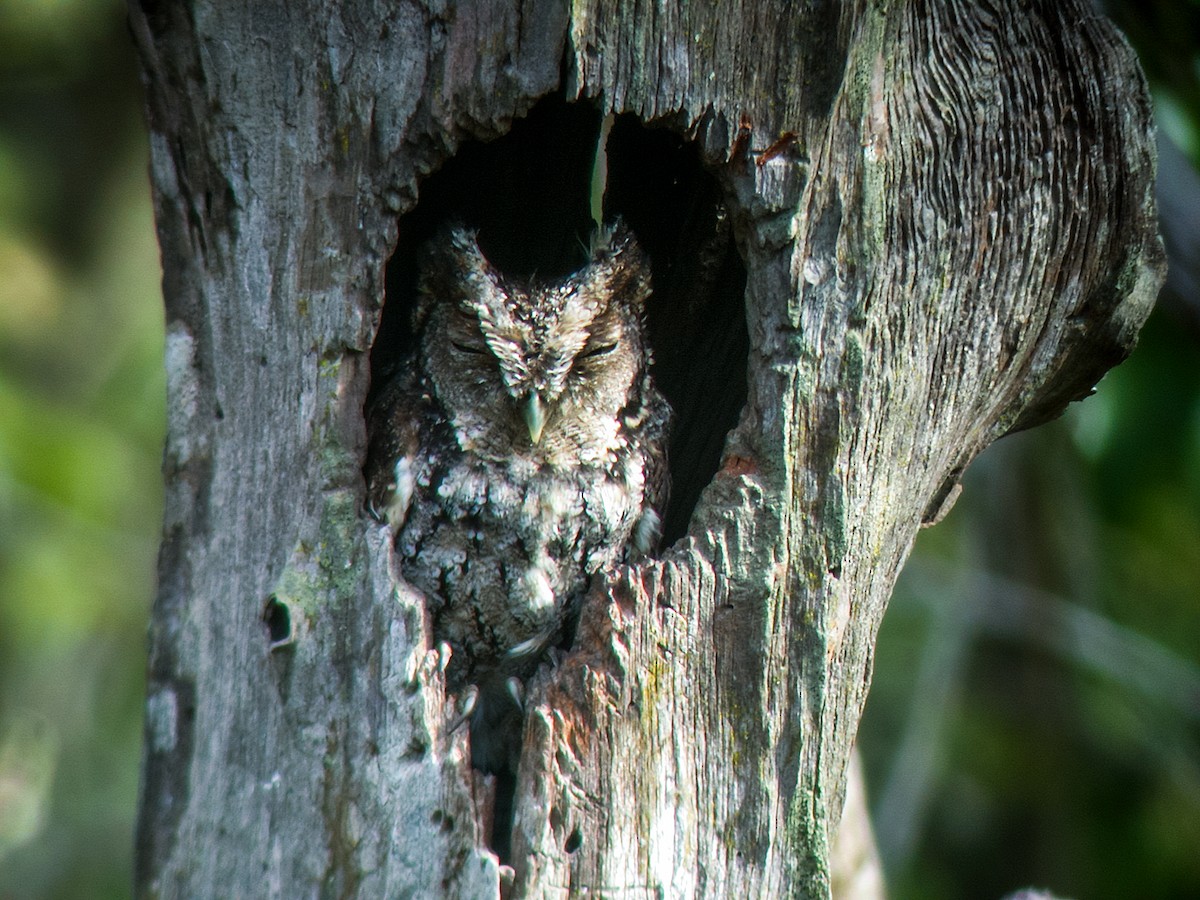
x=558 y=369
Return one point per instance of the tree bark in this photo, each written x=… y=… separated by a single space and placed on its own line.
x=954 y=238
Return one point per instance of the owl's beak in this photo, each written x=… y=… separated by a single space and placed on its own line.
x=535 y=416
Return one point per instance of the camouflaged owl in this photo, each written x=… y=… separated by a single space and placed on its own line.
x=520 y=450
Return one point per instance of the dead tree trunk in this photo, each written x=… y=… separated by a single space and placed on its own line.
x=944 y=213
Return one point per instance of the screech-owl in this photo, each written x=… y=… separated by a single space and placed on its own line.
x=520 y=450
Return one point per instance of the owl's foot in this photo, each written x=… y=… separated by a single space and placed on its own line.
x=470 y=699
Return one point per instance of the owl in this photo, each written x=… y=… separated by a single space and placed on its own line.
x=518 y=451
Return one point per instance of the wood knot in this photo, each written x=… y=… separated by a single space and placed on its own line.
x=734 y=465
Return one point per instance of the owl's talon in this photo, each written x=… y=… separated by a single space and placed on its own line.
x=470 y=699
x=530 y=647
x=443 y=656
x=516 y=690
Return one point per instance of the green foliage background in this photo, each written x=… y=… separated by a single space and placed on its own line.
x=81 y=425
x=1035 y=712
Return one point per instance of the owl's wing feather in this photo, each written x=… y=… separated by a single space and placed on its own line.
x=657 y=491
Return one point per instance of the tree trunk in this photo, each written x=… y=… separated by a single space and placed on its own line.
x=945 y=214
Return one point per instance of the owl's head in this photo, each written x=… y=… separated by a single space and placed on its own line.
x=541 y=369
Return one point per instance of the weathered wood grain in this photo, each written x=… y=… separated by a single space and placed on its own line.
x=958 y=240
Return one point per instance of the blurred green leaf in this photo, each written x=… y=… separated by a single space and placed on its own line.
x=28 y=755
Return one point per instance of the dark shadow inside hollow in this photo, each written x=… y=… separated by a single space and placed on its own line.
x=697 y=316
x=528 y=195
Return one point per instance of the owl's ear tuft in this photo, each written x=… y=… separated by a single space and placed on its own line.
x=460 y=249
x=453 y=256
x=621 y=268
x=453 y=268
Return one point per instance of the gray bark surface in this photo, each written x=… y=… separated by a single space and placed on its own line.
x=958 y=239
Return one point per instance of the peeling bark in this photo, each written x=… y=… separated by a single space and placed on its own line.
x=953 y=240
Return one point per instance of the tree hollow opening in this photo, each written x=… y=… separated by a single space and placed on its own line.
x=527 y=194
